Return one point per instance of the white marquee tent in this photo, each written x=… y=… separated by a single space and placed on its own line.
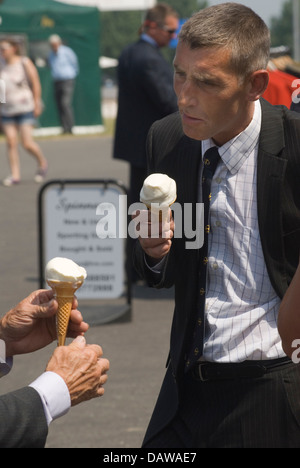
x=111 y=5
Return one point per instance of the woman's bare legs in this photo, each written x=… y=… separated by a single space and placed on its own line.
x=31 y=146
x=11 y=135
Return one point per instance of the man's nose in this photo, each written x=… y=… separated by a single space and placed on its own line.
x=186 y=95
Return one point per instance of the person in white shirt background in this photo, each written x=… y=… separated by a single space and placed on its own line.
x=64 y=67
x=74 y=373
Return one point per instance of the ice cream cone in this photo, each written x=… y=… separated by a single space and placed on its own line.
x=64 y=294
x=158 y=194
x=161 y=211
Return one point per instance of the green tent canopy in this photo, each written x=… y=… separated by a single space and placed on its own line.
x=33 y=21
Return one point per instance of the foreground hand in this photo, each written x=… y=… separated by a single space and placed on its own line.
x=82 y=368
x=31 y=324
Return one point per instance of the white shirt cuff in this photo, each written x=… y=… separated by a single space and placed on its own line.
x=54 y=394
x=5 y=363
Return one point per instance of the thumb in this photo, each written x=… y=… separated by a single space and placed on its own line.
x=79 y=342
x=46 y=310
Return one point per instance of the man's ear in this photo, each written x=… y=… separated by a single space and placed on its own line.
x=258 y=83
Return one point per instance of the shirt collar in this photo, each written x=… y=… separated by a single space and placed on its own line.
x=235 y=152
x=149 y=39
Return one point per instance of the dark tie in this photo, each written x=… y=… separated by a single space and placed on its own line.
x=210 y=162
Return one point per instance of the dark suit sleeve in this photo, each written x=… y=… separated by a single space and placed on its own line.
x=164 y=279
x=22 y=420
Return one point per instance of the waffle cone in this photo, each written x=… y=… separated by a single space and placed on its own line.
x=64 y=294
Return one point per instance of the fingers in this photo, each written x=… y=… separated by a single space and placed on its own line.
x=76 y=325
x=154 y=225
x=39 y=302
x=104 y=365
x=79 y=342
x=47 y=310
x=155 y=234
x=76 y=316
x=42 y=297
x=97 y=349
x=98 y=368
x=157 y=251
x=75 y=303
x=82 y=368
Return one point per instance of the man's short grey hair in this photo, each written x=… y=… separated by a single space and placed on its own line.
x=232 y=26
x=55 y=39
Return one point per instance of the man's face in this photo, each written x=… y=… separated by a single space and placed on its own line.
x=212 y=100
x=55 y=45
x=163 y=35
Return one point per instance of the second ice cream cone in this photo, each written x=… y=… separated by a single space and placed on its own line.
x=64 y=294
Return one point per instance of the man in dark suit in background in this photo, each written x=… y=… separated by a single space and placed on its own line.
x=74 y=374
x=228 y=382
x=146 y=91
x=146 y=94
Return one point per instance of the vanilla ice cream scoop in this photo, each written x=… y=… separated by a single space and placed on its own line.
x=64 y=277
x=158 y=188
x=64 y=269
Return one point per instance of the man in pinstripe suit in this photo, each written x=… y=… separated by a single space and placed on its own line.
x=239 y=389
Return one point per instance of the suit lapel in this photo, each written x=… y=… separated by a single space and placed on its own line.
x=270 y=175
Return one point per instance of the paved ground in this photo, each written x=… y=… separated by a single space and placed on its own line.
x=137 y=349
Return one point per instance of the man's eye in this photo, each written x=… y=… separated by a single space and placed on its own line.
x=205 y=83
x=177 y=73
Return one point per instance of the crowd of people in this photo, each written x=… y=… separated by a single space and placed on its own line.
x=231 y=380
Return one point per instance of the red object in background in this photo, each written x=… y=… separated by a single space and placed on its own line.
x=280 y=89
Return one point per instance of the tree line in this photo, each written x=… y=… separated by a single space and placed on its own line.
x=119 y=28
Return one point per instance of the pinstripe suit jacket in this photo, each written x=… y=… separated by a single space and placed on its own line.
x=22 y=420
x=278 y=186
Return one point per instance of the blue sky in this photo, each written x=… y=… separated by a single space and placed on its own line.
x=265 y=8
